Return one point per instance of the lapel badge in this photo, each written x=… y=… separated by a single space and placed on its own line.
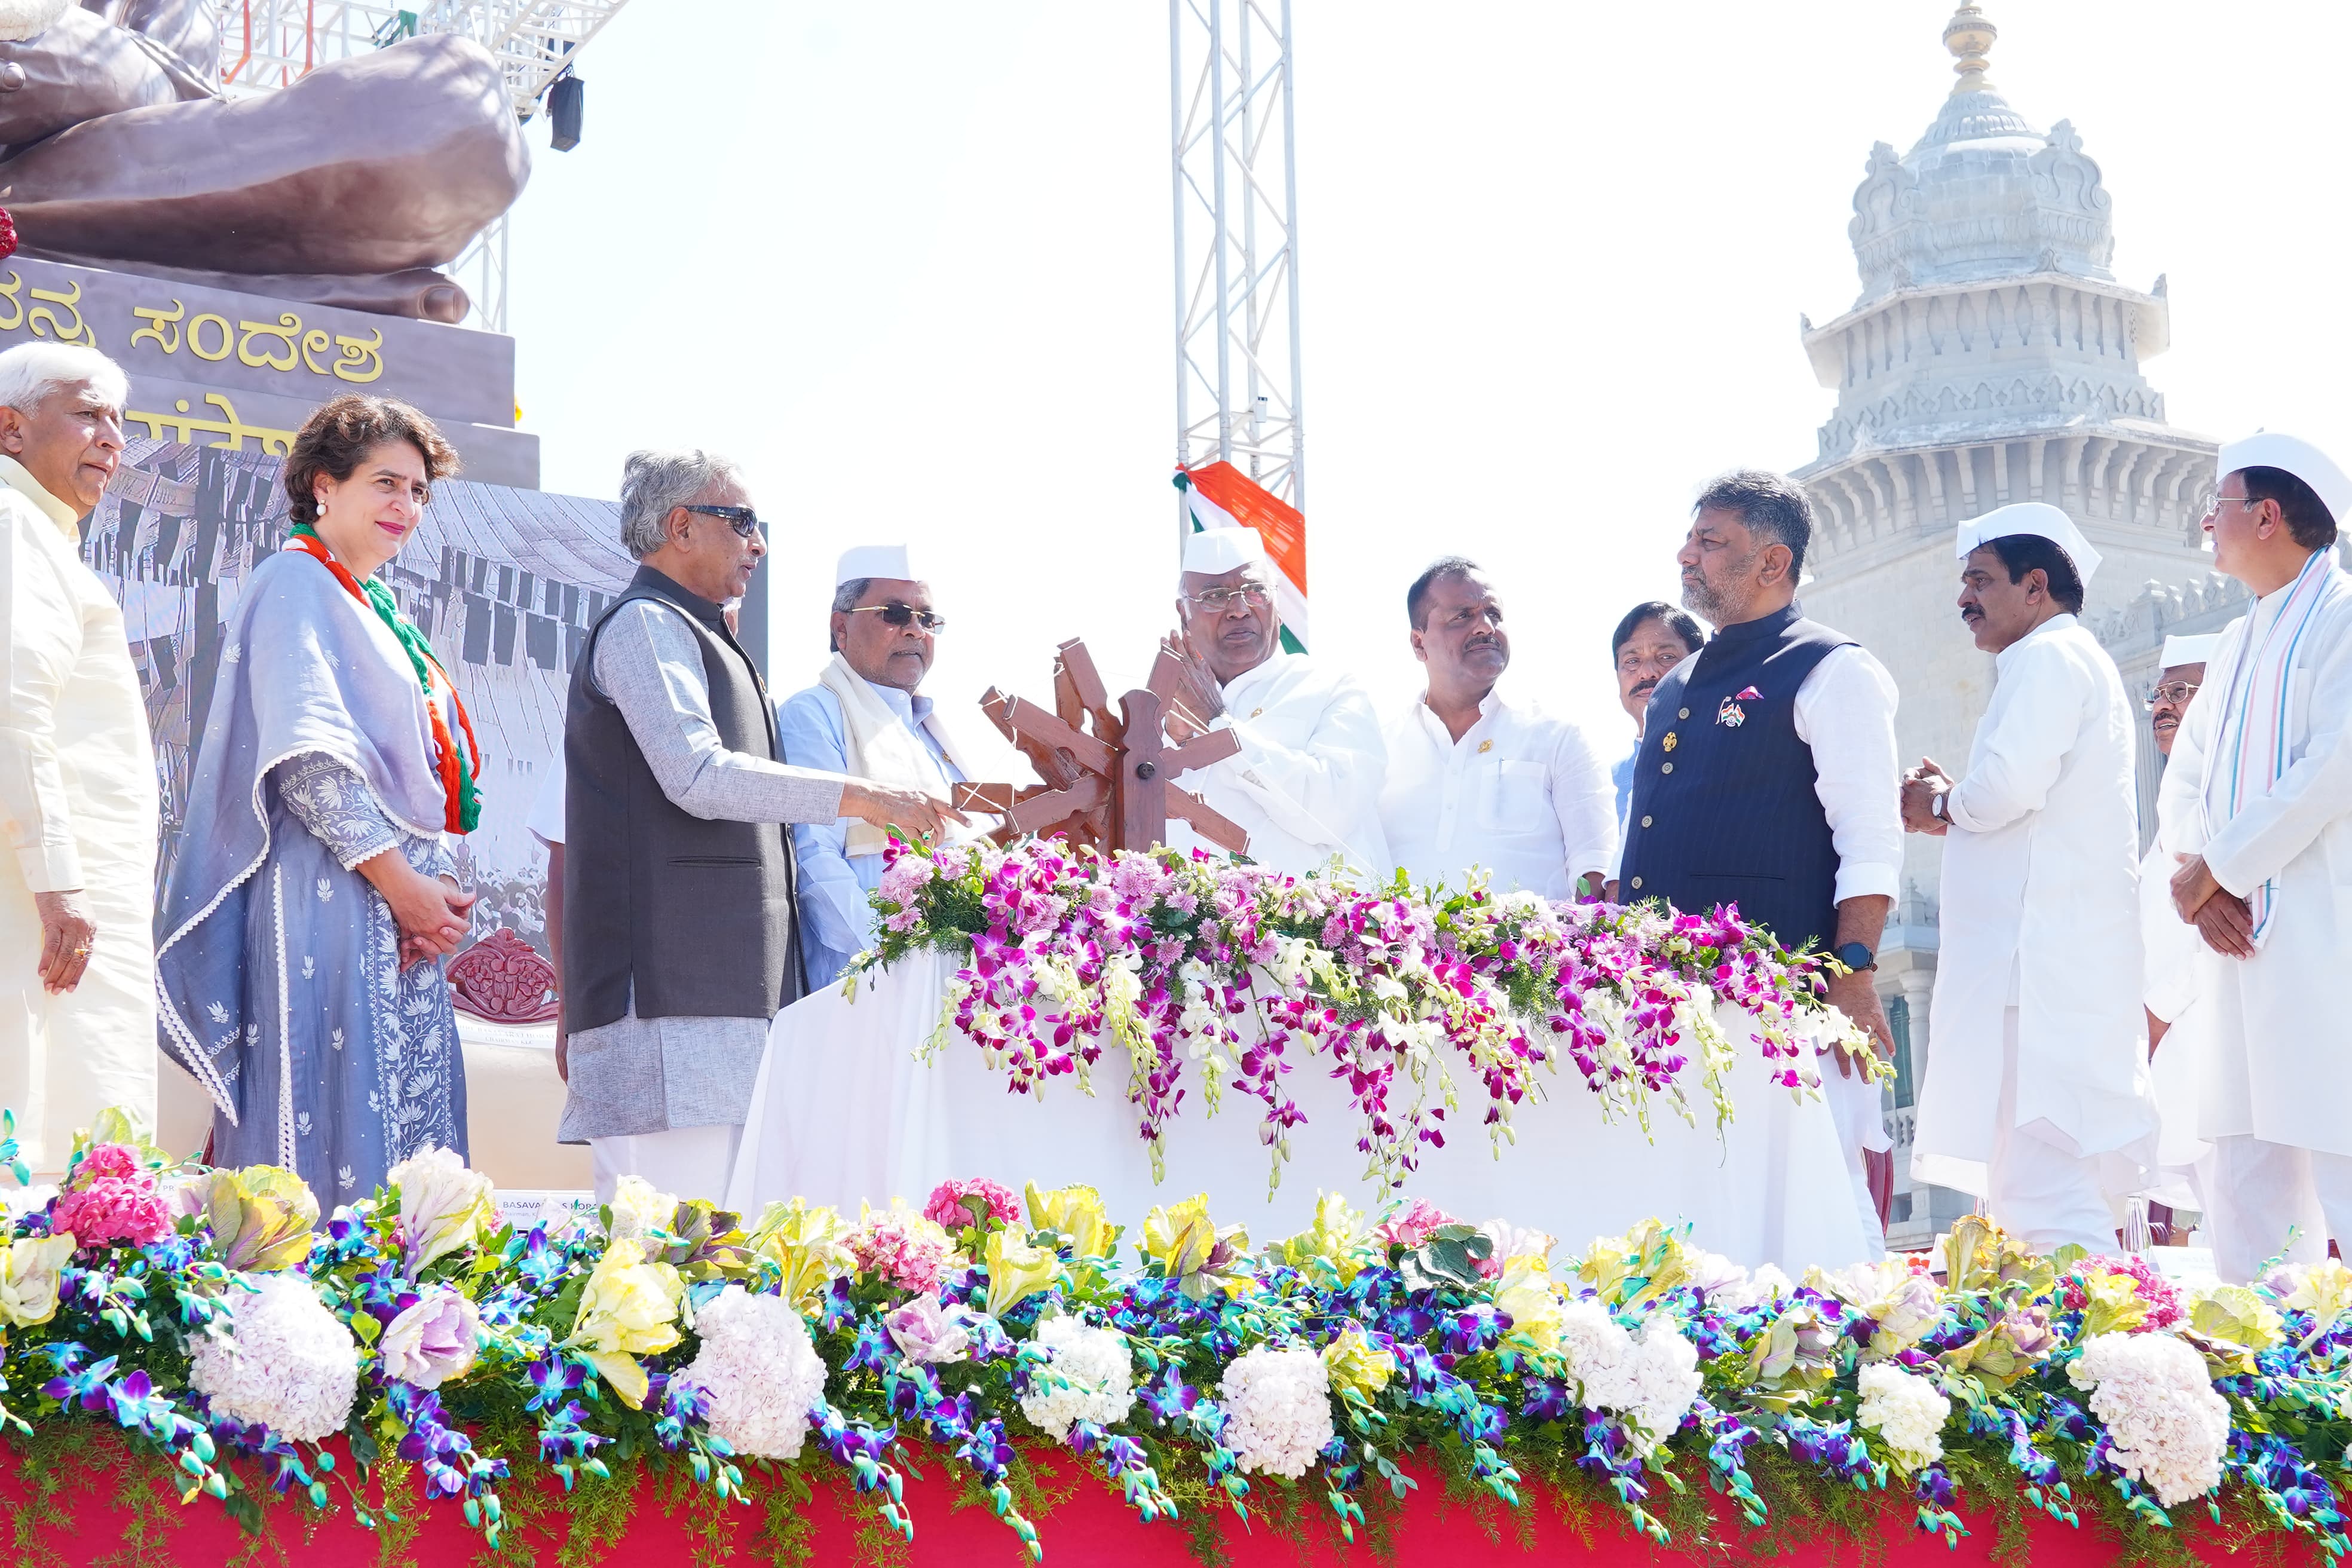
x=1670 y=741
x=1731 y=715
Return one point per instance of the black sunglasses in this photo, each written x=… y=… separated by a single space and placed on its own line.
x=742 y=519
x=895 y=614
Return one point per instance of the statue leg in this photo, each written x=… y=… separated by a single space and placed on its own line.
x=373 y=165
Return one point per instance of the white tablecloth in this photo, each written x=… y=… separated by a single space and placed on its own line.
x=843 y=1111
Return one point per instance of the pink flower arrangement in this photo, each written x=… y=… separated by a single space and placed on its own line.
x=112 y=1197
x=1201 y=967
x=902 y=1249
x=2164 y=1308
x=1413 y=1223
x=946 y=1207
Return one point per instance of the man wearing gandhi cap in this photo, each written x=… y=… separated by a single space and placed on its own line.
x=866 y=718
x=1305 y=785
x=2036 y=1096
x=2256 y=808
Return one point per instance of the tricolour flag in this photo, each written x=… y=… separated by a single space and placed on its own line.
x=1219 y=494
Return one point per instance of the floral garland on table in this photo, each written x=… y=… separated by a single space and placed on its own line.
x=207 y=1317
x=1230 y=970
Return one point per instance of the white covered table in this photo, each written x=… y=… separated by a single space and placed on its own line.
x=843 y=1113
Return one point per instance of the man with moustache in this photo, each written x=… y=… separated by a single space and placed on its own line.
x=1768 y=773
x=1305 y=785
x=866 y=717
x=1648 y=643
x=2256 y=808
x=1475 y=779
x=2169 y=968
x=2037 y=1098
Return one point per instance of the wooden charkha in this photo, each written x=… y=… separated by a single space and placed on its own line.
x=1106 y=776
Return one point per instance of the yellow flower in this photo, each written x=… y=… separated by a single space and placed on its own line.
x=2115 y=1305
x=1525 y=1293
x=1357 y=1368
x=1644 y=1263
x=1077 y=1213
x=2324 y=1293
x=261 y=1218
x=806 y=1244
x=1016 y=1271
x=629 y=1309
x=1190 y=1248
x=29 y=1272
x=2235 y=1314
x=1333 y=1239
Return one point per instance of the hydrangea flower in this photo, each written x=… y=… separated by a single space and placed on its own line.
x=1278 y=1409
x=286 y=1362
x=112 y=1197
x=760 y=1371
x=1905 y=1409
x=1097 y=1370
x=2167 y=1427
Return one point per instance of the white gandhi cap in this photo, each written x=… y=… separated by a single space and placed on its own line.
x=874 y=561
x=2037 y=518
x=1213 y=552
x=2270 y=449
x=2180 y=650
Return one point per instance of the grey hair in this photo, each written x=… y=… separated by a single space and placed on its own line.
x=844 y=599
x=30 y=371
x=1768 y=504
x=653 y=483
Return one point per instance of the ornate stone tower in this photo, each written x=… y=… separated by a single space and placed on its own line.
x=1991 y=357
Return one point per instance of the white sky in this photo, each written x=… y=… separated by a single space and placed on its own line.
x=909 y=260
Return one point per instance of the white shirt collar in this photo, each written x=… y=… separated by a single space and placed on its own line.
x=2001 y=662
x=1435 y=727
x=910 y=708
x=1256 y=673
x=20 y=479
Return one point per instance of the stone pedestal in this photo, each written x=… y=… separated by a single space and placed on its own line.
x=240 y=372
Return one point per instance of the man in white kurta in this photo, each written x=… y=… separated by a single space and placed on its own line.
x=1473 y=780
x=1305 y=785
x=2170 y=965
x=2257 y=804
x=77 y=772
x=2036 y=1097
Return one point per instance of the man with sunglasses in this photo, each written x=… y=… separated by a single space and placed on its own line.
x=679 y=941
x=866 y=717
x=2256 y=812
x=1305 y=785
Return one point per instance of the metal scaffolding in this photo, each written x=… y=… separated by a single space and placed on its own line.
x=266 y=44
x=1236 y=197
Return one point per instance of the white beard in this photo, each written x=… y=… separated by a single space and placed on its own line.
x=22 y=19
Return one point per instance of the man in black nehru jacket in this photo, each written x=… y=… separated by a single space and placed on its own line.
x=1767 y=776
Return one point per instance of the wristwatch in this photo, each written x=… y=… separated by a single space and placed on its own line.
x=1855 y=956
x=1940 y=806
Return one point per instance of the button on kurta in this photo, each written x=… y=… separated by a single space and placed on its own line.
x=1645 y=822
x=1681 y=713
x=1666 y=767
x=1637 y=882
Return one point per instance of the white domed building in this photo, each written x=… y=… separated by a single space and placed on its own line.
x=1991 y=357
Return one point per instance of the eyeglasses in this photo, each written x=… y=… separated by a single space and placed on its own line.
x=742 y=519
x=2213 y=508
x=2173 y=691
x=1217 y=601
x=895 y=614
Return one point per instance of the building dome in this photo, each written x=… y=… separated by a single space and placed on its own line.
x=1984 y=194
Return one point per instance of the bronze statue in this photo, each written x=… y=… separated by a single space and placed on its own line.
x=346 y=188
